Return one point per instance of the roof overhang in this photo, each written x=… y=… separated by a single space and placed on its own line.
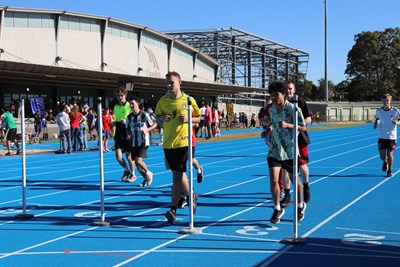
x=27 y=73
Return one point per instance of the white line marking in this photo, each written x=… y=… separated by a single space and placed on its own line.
x=164 y=243
x=368 y=231
x=273 y=258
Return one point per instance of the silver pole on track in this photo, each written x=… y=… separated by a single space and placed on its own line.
x=23 y=215
x=102 y=221
x=295 y=239
x=191 y=229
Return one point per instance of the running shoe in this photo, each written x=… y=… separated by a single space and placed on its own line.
x=200 y=175
x=19 y=152
x=125 y=176
x=8 y=154
x=171 y=216
x=182 y=202
x=301 y=212
x=384 y=166
x=276 y=216
x=286 y=201
x=148 y=180
x=389 y=174
x=131 y=178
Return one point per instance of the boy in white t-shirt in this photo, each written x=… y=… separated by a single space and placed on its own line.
x=387 y=117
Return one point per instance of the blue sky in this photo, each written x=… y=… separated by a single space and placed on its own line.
x=296 y=23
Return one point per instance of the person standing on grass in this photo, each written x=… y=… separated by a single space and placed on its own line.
x=387 y=117
x=172 y=113
x=138 y=125
x=280 y=153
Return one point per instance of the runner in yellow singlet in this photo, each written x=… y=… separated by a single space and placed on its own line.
x=172 y=112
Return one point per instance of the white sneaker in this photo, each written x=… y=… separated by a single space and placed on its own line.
x=148 y=180
x=131 y=178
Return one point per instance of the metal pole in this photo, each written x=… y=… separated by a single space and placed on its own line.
x=190 y=146
x=326 y=52
x=190 y=229
x=24 y=215
x=295 y=239
x=102 y=222
x=295 y=173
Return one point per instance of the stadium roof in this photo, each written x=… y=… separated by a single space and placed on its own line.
x=55 y=75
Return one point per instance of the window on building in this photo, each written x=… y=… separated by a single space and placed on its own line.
x=28 y=20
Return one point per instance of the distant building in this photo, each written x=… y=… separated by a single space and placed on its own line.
x=61 y=55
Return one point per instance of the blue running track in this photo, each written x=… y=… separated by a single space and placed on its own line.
x=352 y=218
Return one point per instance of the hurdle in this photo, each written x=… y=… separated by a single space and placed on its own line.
x=295 y=239
x=102 y=221
x=23 y=215
x=191 y=229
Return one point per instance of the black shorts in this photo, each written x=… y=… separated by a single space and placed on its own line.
x=120 y=138
x=284 y=164
x=124 y=145
x=139 y=152
x=386 y=144
x=11 y=134
x=177 y=158
x=201 y=124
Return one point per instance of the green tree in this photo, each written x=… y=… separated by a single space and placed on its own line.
x=319 y=94
x=342 y=91
x=373 y=64
x=307 y=89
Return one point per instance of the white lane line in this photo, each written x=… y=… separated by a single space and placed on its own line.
x=89 y=229
x=273 y=258
x=363 y=250
x=368 y=231
x=119 y=253
x=175 y=239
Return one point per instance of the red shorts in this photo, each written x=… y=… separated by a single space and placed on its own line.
x=303 y=154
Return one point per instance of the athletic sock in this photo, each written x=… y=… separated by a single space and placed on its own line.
x=173 y=209
x=287 y=193
x=306 y=185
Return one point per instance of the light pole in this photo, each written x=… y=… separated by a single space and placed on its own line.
x=326 y=51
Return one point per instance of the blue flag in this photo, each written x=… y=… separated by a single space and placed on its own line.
x=37 y=105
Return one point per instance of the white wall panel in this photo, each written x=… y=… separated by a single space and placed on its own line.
x=183 y=66
x=203 y=75
x=34 y=45
x=121 y=55
x=80 y=48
